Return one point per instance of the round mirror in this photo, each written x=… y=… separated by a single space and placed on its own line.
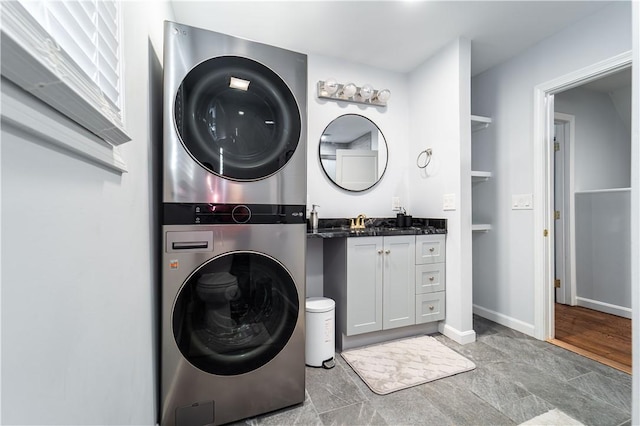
x=353 y=152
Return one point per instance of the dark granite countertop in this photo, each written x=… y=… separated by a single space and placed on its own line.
x=340 y=228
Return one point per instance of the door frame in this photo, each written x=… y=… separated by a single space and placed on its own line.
x=543 y=118
x=567 y=216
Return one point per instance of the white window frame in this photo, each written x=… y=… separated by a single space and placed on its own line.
x=33 y=62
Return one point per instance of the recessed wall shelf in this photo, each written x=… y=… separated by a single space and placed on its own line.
x=479 y=176
x=479 y=122
x=481 y=227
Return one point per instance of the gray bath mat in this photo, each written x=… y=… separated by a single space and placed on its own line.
x=392 y=366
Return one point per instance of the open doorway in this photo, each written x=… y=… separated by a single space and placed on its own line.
x=544 y=218
x=591 y=219
x=591 y=208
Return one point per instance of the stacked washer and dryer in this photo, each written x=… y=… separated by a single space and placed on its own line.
x=234 y=228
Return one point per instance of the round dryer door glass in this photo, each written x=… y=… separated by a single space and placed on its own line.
x=235 y=313
x=237 y=118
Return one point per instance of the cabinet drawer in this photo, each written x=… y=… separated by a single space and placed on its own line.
x=430 y=249
x=430 y=278
x=429 y=307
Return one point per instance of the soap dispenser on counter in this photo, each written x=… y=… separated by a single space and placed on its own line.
x=313 y=217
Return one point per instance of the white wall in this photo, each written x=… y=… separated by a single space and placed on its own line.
x=440 y=120
x=393 y=123
x=503 y=286
x=603 y=144
x=621 y=98
x=434 y=113
x=603 y=251
x=79 y=270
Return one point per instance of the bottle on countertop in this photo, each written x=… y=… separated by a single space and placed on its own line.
x=314 y=218
x=401 y=218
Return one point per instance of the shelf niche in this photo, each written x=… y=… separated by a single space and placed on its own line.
x=478 y=123
x=479 y=176
x=480 y=227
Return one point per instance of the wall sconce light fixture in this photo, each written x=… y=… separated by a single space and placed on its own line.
x=349 y=92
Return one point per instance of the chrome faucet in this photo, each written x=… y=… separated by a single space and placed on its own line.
x=359 y=222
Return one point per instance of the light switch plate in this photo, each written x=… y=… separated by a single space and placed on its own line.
x=395 y=203
x=448 y=201
x=522 y=202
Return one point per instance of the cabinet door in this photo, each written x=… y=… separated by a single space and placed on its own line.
x=430 y=249
x=399 y=290
x=364 y=285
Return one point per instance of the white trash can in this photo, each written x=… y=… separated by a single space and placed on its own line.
x=320 y=346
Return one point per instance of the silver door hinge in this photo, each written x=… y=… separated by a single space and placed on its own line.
x=556 y=214
x=556 y=146
x=556 y=283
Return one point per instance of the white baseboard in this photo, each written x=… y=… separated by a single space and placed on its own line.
x=505 y=320
x=608 y=308
x=461 y=337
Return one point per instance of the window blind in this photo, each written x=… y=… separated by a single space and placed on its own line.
x=68 y=54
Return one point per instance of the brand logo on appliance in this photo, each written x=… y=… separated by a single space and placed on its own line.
x=296 y=214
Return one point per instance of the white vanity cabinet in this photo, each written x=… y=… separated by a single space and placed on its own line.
x=372 y=280
x=363 y=285
x=430 y=278
x=398 y=281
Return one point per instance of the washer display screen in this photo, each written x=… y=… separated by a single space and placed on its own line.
x=237 y=118
x=235 y=313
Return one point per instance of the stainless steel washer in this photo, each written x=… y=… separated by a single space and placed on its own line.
x=232 y=320
x=235 y=120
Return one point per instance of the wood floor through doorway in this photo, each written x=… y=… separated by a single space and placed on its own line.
x=596 y=335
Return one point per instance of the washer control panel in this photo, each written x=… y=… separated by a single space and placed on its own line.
x=211 y=214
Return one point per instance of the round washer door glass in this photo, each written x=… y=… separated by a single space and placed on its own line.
x=237 y=118
x=235 y=313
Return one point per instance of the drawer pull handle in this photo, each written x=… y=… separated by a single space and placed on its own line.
x=431 y=307
x=432 y=249
x=431 y=278
x=188 y=245
x=379 y=251
x=387 y=251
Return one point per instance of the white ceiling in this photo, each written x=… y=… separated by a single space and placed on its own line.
x=392 y=35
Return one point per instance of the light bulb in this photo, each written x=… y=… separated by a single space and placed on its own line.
x=349 y=90
x=366 y=91
x=330 y=86
x=383 y=95
x=239 y=83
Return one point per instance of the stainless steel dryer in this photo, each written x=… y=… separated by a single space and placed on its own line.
x=235 y=120
x=232 y=312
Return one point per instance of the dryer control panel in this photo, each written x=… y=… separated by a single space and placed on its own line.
x=212 y=214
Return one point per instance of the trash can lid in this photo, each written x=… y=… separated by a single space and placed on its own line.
x=319 y=304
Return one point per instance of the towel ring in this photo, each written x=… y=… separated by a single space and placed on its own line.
x=427 y=153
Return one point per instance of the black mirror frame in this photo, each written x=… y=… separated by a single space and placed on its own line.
x=386 y=146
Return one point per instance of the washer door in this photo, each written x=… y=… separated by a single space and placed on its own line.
x=237 y=118
x=235 y=313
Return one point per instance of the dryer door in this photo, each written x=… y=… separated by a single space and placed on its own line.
x=235 y=313
x=237 y=118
